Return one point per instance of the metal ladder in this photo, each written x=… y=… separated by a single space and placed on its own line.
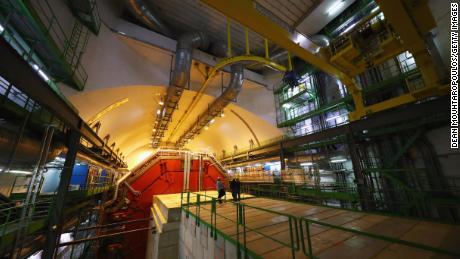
x=32 y=193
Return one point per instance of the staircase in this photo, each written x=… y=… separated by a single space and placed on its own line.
x=87 y=12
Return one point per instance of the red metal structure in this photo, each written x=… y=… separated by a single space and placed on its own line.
x=161 y=174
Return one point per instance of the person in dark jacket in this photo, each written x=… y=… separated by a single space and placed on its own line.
x=220 y=189
x=238 y=189
x=233 y=187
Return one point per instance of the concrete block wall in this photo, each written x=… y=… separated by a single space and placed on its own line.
x=164 y=243
x=196 y=242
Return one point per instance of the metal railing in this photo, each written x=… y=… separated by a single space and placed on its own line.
x=34 y=30
x=300 y=234
x=307 y=246
x=10 y=216
x=192 y=204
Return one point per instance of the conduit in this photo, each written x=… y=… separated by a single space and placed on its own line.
x=180 y=78
x=215 y=109
x=147 y=15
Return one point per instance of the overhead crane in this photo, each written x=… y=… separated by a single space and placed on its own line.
x=244 y=12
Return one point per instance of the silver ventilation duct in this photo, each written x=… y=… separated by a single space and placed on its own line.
x=180 y=78
x=183 y=60
x=147 y=15
x=215 y=109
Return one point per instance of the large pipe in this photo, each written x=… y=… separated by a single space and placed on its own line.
x=180 y=78
x=215 y=109
x=183 y=60
x=147 y=15
x=117 y=187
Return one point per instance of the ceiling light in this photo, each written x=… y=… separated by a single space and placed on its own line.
x=161 y=103
x=335 y=7
x=375 y=9
x=333 y=117
x=158 y=112
x=154 y=130
x=206 y=127
x=349 y=28
x=287 y=105
x=1 y=28
x=212 y=121
x=20 y=172
x=338 y=160
x=306 y=164
x=222 y=115
x=43 y=75
x=299 y=38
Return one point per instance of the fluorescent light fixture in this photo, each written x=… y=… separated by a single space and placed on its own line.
x=349 y=28
x=333 y=117
x=287 y=105
x=20 y=172
x=338 y=160
x=299 y=39
x=43 y=75
x=1 y=28
x=335 y=7
x=375 y=9
x=306 y=164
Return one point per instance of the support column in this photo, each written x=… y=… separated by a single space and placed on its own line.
x=282 y=162
x=55 y=217
x=365 y=197
x=200 y=172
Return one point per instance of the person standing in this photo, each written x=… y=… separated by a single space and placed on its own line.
x=234 y=189
x=237 y=189
x=220 y=190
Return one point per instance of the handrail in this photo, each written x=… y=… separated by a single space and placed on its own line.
x=368 y=234
x=240 y=221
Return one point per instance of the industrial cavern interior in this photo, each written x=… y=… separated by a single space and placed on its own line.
x=229 y=129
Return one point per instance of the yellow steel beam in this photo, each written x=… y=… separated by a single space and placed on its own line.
x=243 y=11
x=391 y=103
x=267 y=55
x=106 y=110
x=411 y=22
x=246 y=37
x=229 y=39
